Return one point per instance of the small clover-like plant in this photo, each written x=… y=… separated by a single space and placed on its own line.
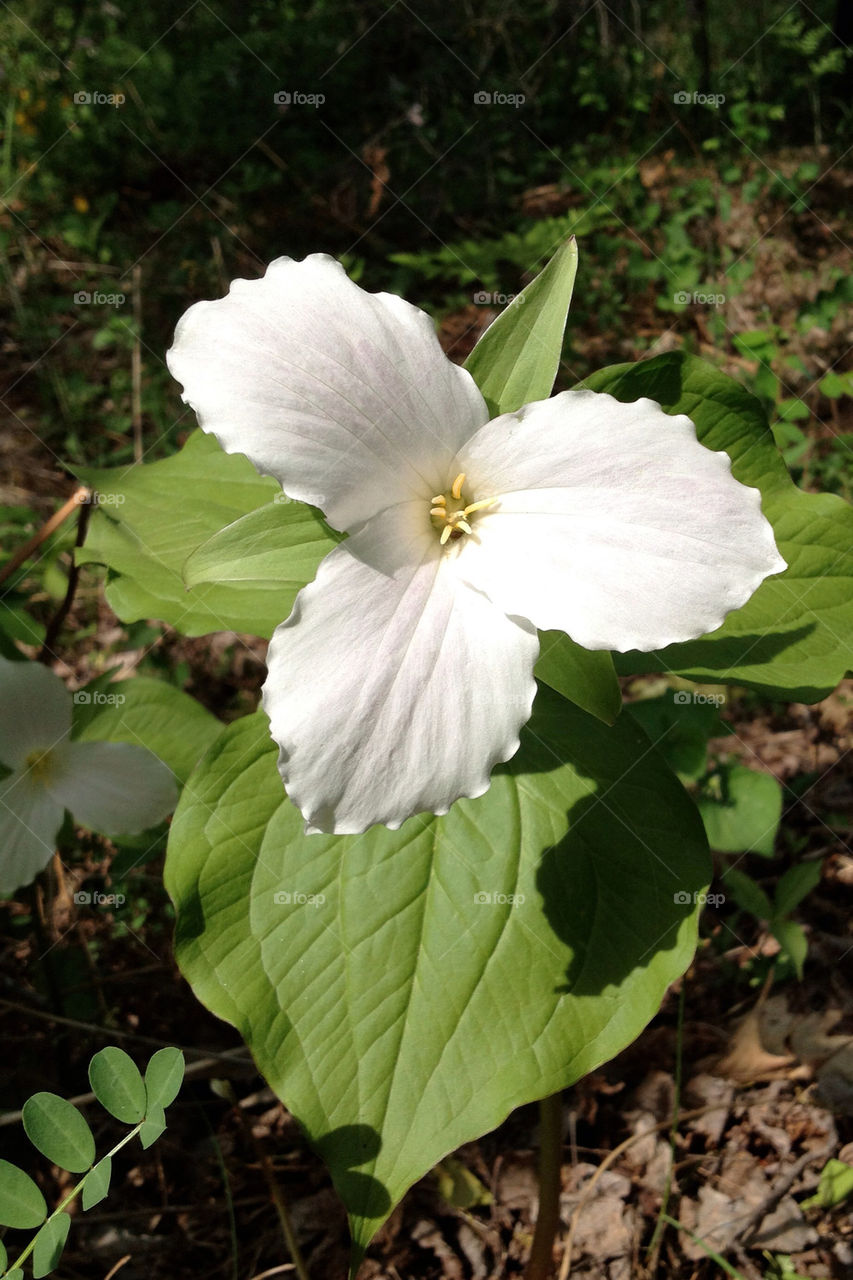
x=60 y=1132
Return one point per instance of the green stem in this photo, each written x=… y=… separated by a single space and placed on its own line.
x=697 y=1240
x=71 y=1196
x=541 y=1262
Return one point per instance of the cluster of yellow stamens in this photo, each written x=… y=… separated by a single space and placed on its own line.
x=450 y=514
x=40 y=765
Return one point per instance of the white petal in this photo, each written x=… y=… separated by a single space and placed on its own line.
x=35 y=710
x=614 y=524
x=29 y=823
x=394 y=688
x=344 y=396
x=114 y=787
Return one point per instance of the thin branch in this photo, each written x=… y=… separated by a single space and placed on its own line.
x=55 y=624
x=78 y=497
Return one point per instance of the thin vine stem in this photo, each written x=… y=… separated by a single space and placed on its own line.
x=72 y=1195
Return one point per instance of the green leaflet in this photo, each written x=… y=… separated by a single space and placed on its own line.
x=149 y=520
x=516 y=360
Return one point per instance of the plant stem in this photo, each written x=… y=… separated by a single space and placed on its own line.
x=541 y=1262
x=72 y=1194
x=58 y=618
x=14 y=562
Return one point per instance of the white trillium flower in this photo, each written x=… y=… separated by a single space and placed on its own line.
x=404 y=673
x=114 y=787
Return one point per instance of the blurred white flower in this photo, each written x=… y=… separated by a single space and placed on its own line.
x=113 y=787
x=405 y=671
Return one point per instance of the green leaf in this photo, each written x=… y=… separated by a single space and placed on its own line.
x=117 y=1084
x=97 y=1183
x=153 y=714
x=746 y=817
x=4 y=1257
x=459 y=1186
x=793 y=941
x=748 y=895
x=833 y=1188
x=281 y=544
x=586 y=676
x=793 y=637
x=59 y=1131
x=153 y=516
x=797 y=881
x=517 y=358
x=153 y=1126
x=21 y=1203
x=679 y=724
x=164 y=1076
x=50 y=1242
x=460 y=966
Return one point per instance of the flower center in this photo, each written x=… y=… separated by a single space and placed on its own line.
x=40 y=765
x=451 y=512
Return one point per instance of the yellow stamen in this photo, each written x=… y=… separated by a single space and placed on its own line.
x=437 y=511
x=440 y=498
x=445 y=533
x=479 y=506
x=456 y=487
x=463 y=524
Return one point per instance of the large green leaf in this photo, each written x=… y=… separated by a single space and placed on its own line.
x=150 y=518
x=404 y=990
x=794 y=637
x=517 y=358
x=152 y=714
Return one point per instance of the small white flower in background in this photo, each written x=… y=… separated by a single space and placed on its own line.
x=113 y=787
x=405 y=671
